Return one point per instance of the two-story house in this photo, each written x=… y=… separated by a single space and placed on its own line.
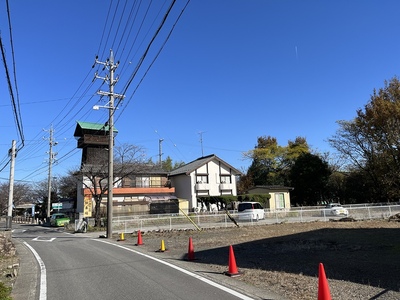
x=206 y=176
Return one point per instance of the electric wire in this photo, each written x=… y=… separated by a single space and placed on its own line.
x=104 y=28
x=119 y=23
x=17 y=109
x=110 y=27
x=132 y=21
x=154 y=59
x=148 y=48
x=133 y=44
x=10 y=91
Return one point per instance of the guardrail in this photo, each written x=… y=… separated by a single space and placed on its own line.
x=128 y=224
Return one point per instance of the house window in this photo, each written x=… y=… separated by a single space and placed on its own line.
x=156 y=181
x=279 y=200
x=225 y=179
x=202 y=179
x=126 y=182
x=142 y=181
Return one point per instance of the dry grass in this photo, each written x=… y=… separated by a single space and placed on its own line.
x=9 y=264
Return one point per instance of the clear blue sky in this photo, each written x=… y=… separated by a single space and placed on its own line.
x=231 y=71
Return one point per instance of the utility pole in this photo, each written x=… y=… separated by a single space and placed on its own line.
x=160 y=151
x=51 y=159
x=109 y=64
x=12 y=153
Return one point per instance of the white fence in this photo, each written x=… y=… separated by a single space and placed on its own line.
x=129 y=224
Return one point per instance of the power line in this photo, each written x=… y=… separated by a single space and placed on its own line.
x=154 y=59
x=148 y=47
x=10 y=89
x=17 y=111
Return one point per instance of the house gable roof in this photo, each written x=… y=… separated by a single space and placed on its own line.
x=194 y=165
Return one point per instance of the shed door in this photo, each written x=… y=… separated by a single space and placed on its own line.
x=279 y=200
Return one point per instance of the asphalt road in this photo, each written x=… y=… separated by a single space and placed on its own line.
x=58 y=265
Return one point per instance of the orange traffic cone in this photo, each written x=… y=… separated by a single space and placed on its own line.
x=139 y=239
x=232 y=271
x=190 y=255
x=323 y=287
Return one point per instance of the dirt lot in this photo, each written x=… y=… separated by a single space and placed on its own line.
x=361 y=259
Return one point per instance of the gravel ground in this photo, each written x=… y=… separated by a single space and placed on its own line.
x=361 y=259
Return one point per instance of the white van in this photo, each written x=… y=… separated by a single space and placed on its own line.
x=250 y=211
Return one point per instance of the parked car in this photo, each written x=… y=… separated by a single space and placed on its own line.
x=335 y=209
x=59 y=219
x=250 y=211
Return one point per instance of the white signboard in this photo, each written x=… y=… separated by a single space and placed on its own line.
x=56 y=205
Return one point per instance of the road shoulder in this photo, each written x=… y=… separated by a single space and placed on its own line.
x=26 y=286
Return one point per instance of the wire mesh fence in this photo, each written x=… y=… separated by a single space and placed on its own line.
x=223 y=219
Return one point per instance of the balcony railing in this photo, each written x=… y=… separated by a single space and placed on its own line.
x=202 y=186
x=225 y=186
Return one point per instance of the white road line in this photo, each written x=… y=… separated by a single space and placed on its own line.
x=212 y=283
x=37 y=239
x=43 y=280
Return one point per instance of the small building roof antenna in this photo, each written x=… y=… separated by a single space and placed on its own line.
x=201 y=142
x=160 y=152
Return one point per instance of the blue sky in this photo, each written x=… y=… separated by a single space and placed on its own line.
x=231 y=71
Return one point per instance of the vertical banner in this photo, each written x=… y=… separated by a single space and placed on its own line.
x=87 y=206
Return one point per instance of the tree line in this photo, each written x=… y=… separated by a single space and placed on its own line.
x=365 y=167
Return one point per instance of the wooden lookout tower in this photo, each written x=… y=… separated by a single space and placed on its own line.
x=93 y=139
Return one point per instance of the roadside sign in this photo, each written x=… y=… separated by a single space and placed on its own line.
x=87 y=209
x=56 y=205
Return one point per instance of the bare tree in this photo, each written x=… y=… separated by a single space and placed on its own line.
x=128 y=160
x=67 y=185
x=371 y=141
x=22 y=194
